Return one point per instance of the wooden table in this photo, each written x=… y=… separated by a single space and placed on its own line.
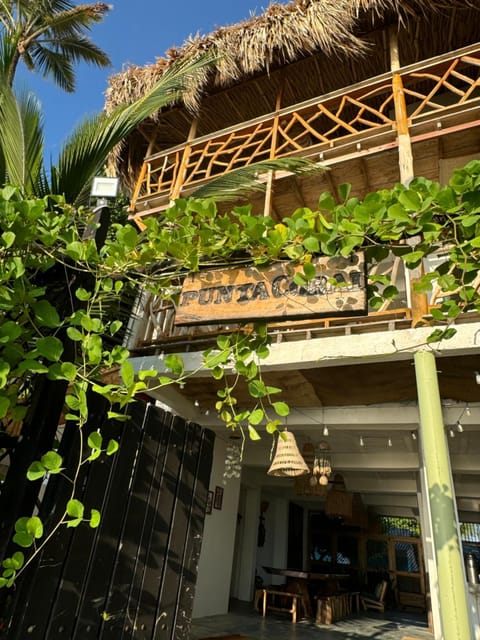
x=302 y=580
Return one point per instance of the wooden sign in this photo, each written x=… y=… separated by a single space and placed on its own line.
x=254 y=293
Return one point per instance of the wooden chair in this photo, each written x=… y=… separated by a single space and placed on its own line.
x=375 y=600
x=283 y=597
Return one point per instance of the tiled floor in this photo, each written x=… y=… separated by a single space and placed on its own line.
x=242 y=619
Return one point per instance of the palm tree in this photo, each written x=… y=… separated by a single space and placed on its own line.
x=48 y=36
x=86 y=150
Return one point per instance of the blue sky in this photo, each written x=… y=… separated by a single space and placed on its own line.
x=135 y=32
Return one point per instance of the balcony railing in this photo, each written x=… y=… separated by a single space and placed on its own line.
x=445 y=84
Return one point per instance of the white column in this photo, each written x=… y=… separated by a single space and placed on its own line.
x=245 y=581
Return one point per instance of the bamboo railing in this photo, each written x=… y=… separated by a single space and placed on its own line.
x=445 y=83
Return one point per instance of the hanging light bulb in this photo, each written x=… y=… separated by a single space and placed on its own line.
x=361 y=442
x=323 y=480
x=389 y=442
x=414 y=435
x=467 y=411
x=451 y=433
x=459 y=426
x=325 y=430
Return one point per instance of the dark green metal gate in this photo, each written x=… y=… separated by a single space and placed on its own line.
x=134 y=576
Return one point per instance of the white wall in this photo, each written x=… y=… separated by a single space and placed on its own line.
x=216 y=557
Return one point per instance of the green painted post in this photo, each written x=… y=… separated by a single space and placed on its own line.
x=451 y=582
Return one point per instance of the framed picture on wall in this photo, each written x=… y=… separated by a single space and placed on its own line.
x=208 y=508
x=217 y=503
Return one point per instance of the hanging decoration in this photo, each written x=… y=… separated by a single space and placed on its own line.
x=233 y=462
x=288 y=461
x=309 y=485
x=322 y=465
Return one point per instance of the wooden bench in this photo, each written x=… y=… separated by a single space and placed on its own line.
x=275 y=602
x=335 y=607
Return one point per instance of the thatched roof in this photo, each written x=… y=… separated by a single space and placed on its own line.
x=282 y=34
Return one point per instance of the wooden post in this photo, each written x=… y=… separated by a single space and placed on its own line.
x=418 y=302
x=273 y=150
x=441 y=498
x=177 y=187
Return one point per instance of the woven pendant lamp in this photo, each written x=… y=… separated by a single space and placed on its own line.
x=288 y=461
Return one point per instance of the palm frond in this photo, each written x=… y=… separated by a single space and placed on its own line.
x=86 y=150
x=52 y=63
x=21 y=138
x=241 y=182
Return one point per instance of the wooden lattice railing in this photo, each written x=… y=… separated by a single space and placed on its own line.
x=446 y=82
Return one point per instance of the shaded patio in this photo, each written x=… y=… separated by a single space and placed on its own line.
x=243 y=620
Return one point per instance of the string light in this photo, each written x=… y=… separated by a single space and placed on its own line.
x=361 y=442
x=414 y=435
x=325 y=430
x=389 y=443
x=451 y=433
x=467 y=411
x=459 y=426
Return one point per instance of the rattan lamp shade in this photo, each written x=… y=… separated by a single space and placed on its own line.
x=288 y=461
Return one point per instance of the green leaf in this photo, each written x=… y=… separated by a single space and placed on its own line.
x=36 y=471
x=344 y=190
x=281 y=408
x=15 y=561
x=253 y=433
x=8 y=238
x=82 y=294
x=326 y=201
x=52 y=461
x=94 y=518
x=311 y=244
x=112 y=447
x=95 y=440
x=74 y=523
x=309 y=270
x=115 y=326
x=50 y=347
x=74 y=334
x=410 y=200
x=32 y=365
x=46 y=315
x=128 y=374
x=4 y=406
x=114 y=415
x=272 y=426
x=69 y=370
x=174 y=362
x=23 y=539
x=75 y=250
x=35 y=527
x=75 y=508
x=9 y=331
x=256 y=416
x=435 y=336
x=257 y=389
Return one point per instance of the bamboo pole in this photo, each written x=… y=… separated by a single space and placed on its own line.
x=177 y=187
x=273 y=148
x=418 y=302
x=441 y=496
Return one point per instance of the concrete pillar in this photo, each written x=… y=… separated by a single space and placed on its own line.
x=248 y=546
x=428 y=547
x=441 y=497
